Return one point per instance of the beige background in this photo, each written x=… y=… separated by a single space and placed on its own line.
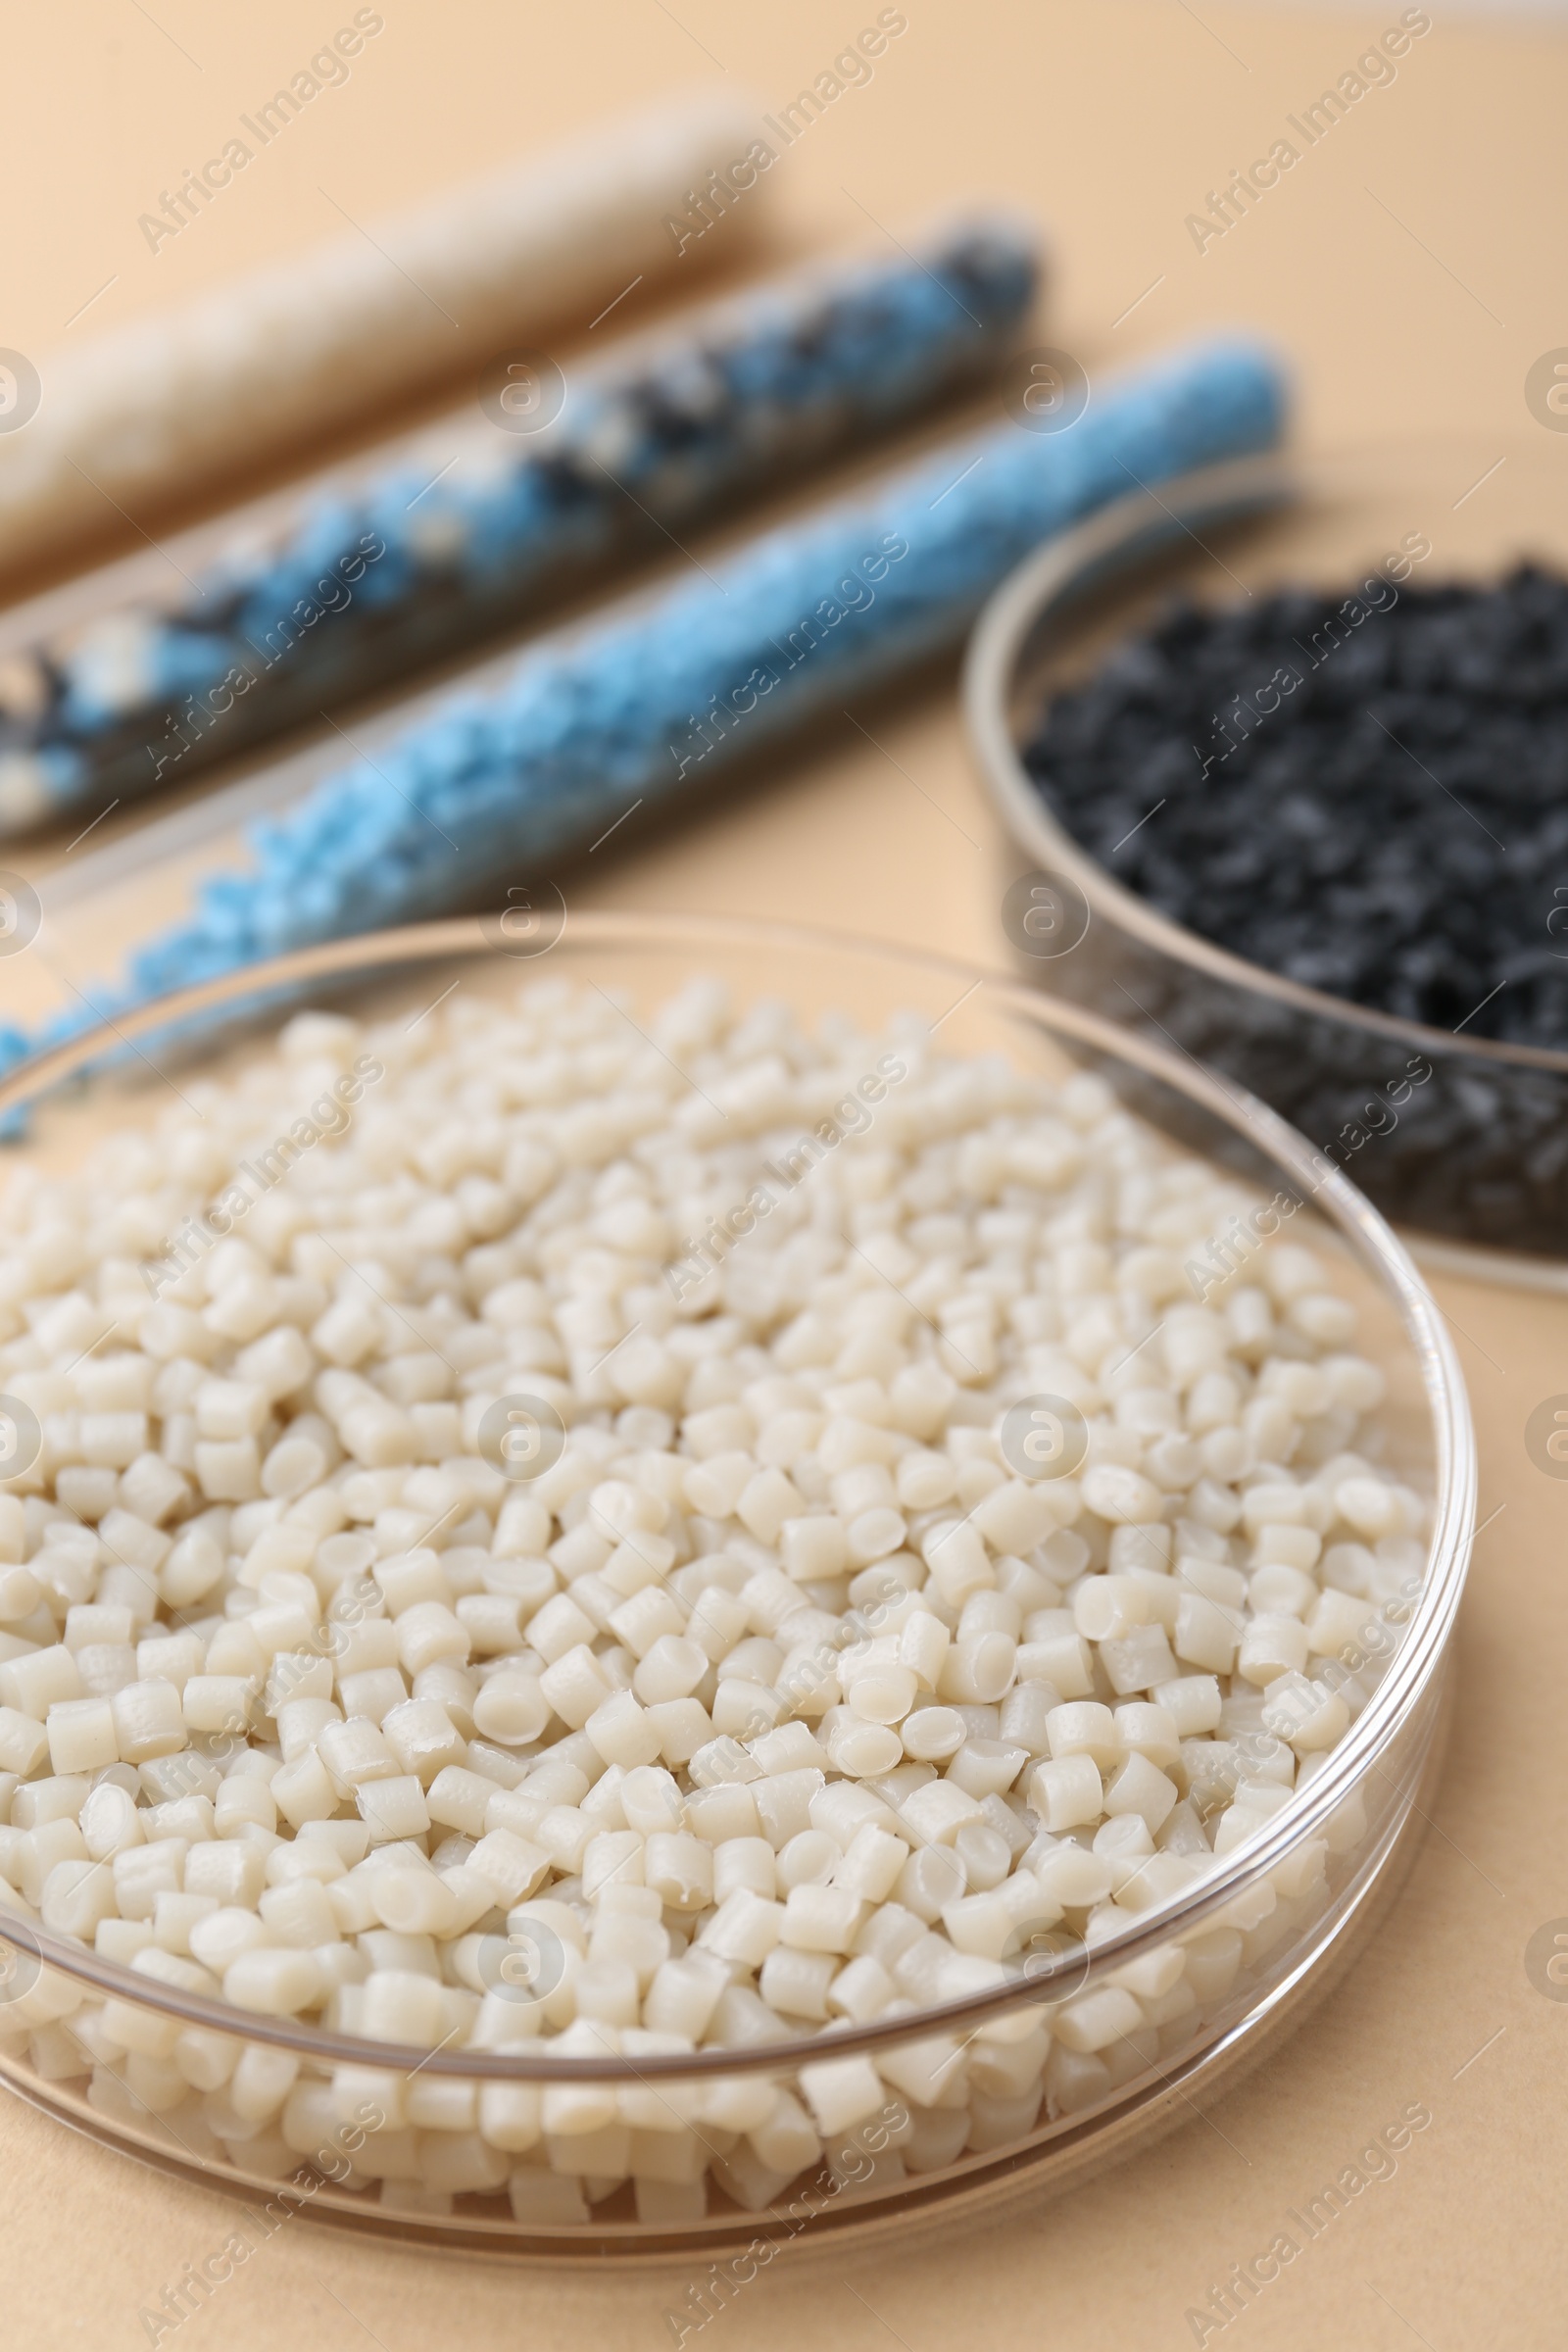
x=1110 y=120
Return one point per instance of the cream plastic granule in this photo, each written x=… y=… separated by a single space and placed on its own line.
x=588 y=1549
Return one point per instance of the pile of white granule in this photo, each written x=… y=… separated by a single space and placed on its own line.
x=657 y=1538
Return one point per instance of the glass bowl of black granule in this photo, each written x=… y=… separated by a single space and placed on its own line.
x=1282 y=752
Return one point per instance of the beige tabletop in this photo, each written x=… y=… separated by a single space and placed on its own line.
x=1413 y=269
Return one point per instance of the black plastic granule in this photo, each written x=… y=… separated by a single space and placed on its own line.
x=1366 y=793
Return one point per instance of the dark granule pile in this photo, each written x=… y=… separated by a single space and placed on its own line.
x=1366 y=793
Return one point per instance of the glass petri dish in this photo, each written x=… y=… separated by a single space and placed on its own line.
x=1467 y=1157
x=950 y=2110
